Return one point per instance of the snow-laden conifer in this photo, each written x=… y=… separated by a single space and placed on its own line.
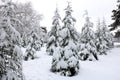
x=88 y=49
x=34 y=45
x=65 y=58
x=104 y=39
x=53 y=34
x=10 y=52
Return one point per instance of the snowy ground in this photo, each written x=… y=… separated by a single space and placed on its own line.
x=107 y=68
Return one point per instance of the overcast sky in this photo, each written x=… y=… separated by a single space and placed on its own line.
x=96 y=9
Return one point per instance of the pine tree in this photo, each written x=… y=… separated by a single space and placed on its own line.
x=87 y=42
x=33 y=46
x=107 y=35
x=100 y=42
x=53 y=34
x=65 y=58
x=116 y=18
x=10 y=52
x=104 y=38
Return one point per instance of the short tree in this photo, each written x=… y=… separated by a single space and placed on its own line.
x=34 y=45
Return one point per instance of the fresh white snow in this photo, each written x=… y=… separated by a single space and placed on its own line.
x=107 y=68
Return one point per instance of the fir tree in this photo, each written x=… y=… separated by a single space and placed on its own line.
x=10 y=52
x=53 y=34
x=100 y=42
x=33 y=46
x=107 y=35
x=65 y=58
x=116 y=18
x=104 y=38
x=87 y=42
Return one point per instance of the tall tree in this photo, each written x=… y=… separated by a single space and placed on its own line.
x=107 y=35
x=87 y=42
x=100 y=41
x=65 y=58
x=53 y=34
x=30 y=22
x=116 y=18
x=10 y=52
x=104 y=38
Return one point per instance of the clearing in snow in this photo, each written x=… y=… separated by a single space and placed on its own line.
x=106 y=68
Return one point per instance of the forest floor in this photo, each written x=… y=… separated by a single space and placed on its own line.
x=107 y=68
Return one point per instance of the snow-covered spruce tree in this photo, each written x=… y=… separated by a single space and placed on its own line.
x=53 y=34
x=115 y=26
x=10 y=52
x=116 y=18
x=33 y=46
x=107 y=36
x=101 y=43
x=88 y=49
x=65 y=58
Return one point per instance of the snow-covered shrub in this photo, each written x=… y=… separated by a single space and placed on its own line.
x=30 y=53
x=38 y=45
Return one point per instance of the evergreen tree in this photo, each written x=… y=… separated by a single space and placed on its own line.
x=117 y=34
x=87 y=42
x=53 y=34
x=10 y=52
x=108 y=36
x=104 y=38
x=116 y=18
x=100 y=42
x=33 y=46
x=65 y=58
